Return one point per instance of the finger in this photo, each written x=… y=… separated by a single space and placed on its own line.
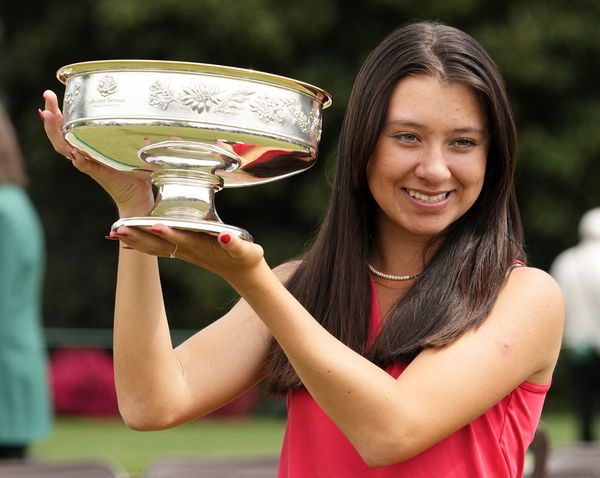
x=51 y=102
x=169 y=234
x=53 y=123
x=170 y=240
x=144 y=241
x=187 y=241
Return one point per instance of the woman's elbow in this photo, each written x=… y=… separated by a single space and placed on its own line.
x=145 y=422
x=386 y=450
x=140 y=418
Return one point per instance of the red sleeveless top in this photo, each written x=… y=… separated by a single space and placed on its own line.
x=492 y=446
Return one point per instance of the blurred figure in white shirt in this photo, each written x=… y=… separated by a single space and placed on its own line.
x=577 y=270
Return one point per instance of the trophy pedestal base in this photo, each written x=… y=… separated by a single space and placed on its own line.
x=210 y=227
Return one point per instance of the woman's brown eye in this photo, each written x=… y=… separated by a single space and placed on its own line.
x=464 y=143
x=407 y=137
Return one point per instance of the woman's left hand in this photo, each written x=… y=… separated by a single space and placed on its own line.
x=226 y=255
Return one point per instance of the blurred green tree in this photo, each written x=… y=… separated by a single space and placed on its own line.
x=547 y=49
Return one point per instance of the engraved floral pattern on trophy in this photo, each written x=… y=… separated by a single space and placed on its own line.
x=201 y=98
x=71 y=93
x=309 y=124
x=279 y=110
x=204 y=98
x=107 y=86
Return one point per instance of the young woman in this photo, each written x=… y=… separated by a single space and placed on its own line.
x=408 y=339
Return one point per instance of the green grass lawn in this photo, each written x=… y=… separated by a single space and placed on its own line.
x=133 y=451
x=112 y=441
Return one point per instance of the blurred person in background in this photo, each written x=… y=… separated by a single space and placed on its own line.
x=577 y=271
x=25 y=411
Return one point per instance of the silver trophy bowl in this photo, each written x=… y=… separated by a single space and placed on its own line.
x=195 y=128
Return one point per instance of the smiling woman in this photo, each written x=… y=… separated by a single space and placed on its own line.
x=405 y=338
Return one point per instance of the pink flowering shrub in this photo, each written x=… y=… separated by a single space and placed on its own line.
x=82 y=382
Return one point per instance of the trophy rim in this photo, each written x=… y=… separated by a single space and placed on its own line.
x=101 y=66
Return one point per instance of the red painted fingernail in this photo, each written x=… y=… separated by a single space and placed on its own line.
x=127 y=247
x=111 y=237
x=154 y=229
x=121 y=234
x=41 y=114
x=225 y=238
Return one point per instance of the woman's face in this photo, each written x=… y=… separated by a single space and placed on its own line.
x=429 y=162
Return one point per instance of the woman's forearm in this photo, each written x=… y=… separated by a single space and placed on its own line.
x=147 y=373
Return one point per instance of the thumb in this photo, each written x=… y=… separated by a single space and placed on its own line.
x=238 y=248
x=83 y=163
x=231 y=244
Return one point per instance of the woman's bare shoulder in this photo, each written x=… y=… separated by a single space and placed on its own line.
x=531 y=306
x=284 y=271
x=533 y=290
x=535 y=281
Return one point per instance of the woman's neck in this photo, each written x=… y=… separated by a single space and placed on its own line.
x=400 y=255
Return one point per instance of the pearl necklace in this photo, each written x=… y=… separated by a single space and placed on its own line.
x=390 y=276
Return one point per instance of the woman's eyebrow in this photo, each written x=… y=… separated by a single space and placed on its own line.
x=415 y=124
x=402 y=122
x=469 y=130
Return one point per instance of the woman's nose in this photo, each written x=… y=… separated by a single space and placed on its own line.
x=432 y=166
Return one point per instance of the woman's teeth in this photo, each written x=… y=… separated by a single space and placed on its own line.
x=425 y=198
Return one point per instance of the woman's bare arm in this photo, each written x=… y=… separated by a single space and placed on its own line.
x=441 y=391
x=159 y=387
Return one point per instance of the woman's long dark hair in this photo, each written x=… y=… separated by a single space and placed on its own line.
x=460 y=283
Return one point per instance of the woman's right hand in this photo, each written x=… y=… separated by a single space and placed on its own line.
x=132 y=193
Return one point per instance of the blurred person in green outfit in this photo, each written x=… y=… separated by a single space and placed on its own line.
x=25 y=411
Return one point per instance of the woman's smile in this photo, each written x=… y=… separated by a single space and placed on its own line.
x=429 y=199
